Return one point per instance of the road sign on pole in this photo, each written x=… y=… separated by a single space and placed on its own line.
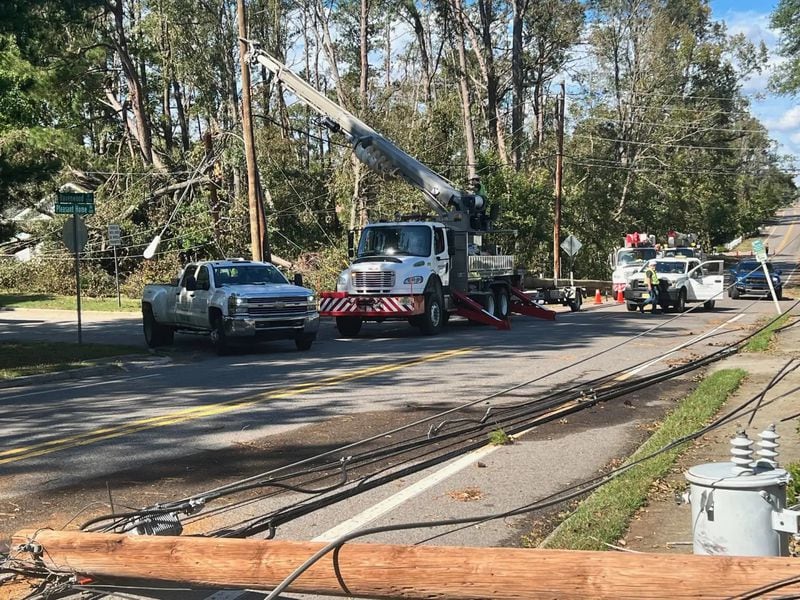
x=75 y=203
x=114 y=240
x=761 y=256
x=571 y=245
x=759 y=251
x=75 y=234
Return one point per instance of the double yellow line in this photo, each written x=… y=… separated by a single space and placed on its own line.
x=209 y=410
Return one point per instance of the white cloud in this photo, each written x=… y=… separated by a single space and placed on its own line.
x=789 y=120
x=754 y=25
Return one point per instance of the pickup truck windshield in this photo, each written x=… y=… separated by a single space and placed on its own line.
x=401 y=240
x=247 y=275
x=632 y=255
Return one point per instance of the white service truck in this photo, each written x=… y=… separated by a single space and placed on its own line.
x=421 y=268
x=681 y=281
x=229 y=300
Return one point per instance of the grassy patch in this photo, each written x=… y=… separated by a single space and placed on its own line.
x=18 y=359
x=53 y=301
x=762 y=340
x=498 y=437
x=604 y=516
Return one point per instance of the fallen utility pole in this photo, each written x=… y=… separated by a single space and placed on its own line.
x=408 y=572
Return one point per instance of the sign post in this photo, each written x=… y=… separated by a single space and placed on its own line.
x=75 y=234
x=571 y=246
x=761 y=256
x=114 y=240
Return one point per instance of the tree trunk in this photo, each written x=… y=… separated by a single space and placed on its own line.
x=517 y=83
x=469 y=135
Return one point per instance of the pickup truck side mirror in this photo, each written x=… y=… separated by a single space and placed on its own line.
x=351 y=242
x=298 y=279
x=190 y=283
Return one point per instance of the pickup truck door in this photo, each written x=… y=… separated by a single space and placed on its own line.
x=198 y=300
x=706 y=281
x=183 y=300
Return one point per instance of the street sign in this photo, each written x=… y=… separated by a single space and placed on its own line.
x=71 y=236
x=571 y=245
x=758 y=250
x=76 y=197
x=66 y=208
x=114 y=236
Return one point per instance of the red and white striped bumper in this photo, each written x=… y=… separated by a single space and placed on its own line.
x=342 y=304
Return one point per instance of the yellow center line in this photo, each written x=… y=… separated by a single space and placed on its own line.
x=199 y=412
x=786 y=239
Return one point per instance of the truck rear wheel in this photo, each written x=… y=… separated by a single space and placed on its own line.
x=433 y=319
x=501 y=302
x=349 y=326
x=155 y=334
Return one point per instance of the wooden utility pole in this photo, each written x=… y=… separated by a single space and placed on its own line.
x=410 y=572
x=253 y=198
x=559 y=175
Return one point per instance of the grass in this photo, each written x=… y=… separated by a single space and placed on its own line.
x=53 y=301
x=762 y=341
x=498 y=437
x=18 y=359
x=603 y=517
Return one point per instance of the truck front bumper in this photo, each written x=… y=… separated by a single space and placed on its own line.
x=343 y=304
x=286 y=328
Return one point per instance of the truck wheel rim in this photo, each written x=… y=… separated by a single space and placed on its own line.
x=436 y=314
x=503 y=304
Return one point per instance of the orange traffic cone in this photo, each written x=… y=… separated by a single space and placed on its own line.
x=598 y=299
x=620 y=296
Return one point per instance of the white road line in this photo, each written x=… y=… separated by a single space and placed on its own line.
x=669 y=353
x=75 y=387
x=399 y=498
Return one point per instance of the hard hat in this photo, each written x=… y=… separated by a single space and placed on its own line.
x=652 y=262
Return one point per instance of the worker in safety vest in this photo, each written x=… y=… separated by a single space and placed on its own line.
x=651 y=281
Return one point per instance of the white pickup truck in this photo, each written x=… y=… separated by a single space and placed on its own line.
x=229 y=299
x=681 y=280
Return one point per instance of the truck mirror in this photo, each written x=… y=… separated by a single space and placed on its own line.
x=351 y=238
x=190 y=283
x=298 y=279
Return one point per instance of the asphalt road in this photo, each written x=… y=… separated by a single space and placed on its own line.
x=62 y=439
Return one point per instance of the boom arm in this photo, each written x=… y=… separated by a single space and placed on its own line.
x=373 y=149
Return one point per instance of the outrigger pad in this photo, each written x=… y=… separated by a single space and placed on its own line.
x=469 y=309
x=525 y=306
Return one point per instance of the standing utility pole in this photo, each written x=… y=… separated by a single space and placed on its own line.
x=255 y=207
x=559 y=174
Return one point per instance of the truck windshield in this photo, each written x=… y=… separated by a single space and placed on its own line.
x=631 y=255
x=399 y=240
x=247 y=275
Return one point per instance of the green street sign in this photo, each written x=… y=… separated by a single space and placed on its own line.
x=66 y=208
x=76 y=197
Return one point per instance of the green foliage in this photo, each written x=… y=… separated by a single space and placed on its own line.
x=786 y=78
x=793 y=489
x=498 y=437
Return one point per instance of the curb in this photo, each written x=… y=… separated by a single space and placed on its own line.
x=118 y=363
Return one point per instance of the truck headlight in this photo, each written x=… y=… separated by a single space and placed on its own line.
x=414 y=280
x=341 y=282
x=312 y=302
x=236 y=304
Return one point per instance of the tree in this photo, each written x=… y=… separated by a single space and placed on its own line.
x=786 y=18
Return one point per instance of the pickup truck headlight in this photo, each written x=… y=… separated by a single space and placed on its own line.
x=414 y=280
x=236 y=304
x=312 y=302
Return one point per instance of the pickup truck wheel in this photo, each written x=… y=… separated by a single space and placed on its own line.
x=709 y=304
x=304 y=342
x=349 y=326
x=680 y=303
x=733 y=292
x=631 y=307
x=501 y=302
x=433 y=319
x=779 y=293
x=155 y=334
x=218 y=338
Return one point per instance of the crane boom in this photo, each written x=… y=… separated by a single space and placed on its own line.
x=382 y=156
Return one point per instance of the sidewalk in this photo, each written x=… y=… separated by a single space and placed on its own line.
x=664 y=525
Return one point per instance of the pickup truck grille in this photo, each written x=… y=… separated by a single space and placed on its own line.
x=373 y=280
x=268 y=307
x=756 y=282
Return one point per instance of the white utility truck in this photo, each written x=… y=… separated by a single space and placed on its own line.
x=420 y=268
x=227 y=300
x=681 y=280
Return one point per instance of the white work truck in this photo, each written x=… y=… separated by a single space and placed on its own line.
x=681 y=281
x=230 y=299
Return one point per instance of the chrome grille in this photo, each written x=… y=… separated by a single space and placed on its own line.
x=267 y=307
x=373 y=279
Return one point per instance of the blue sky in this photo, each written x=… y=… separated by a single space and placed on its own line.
x=780 y=114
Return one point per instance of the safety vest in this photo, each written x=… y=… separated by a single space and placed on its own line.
x=653 y=276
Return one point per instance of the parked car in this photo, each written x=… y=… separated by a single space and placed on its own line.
x=681 y=280
x=747 y=277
